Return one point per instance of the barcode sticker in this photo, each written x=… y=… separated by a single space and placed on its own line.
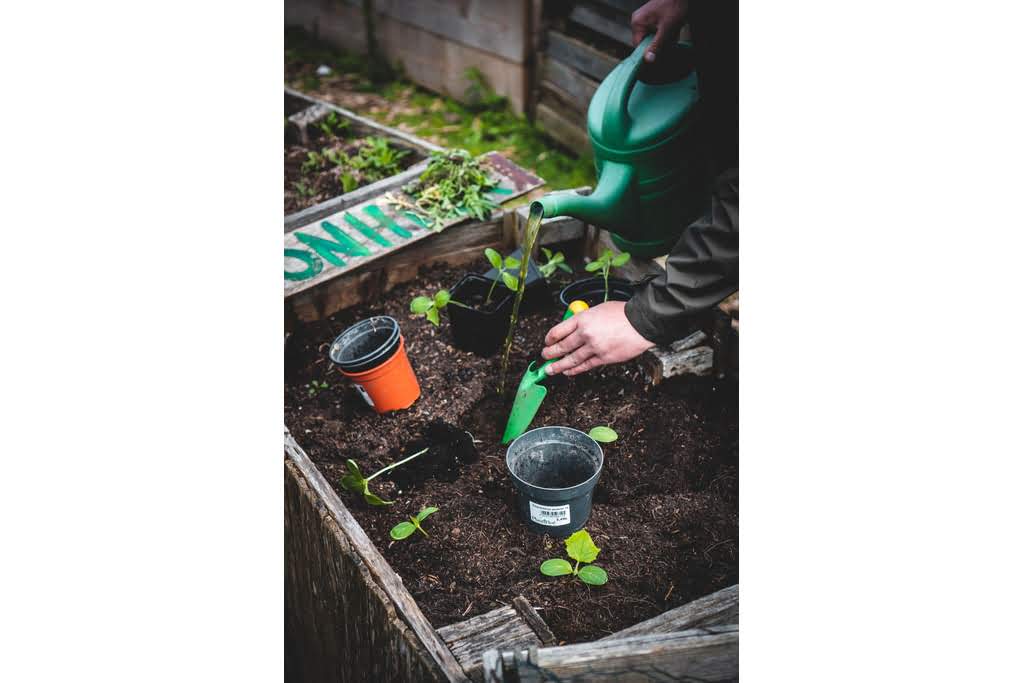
x=547 y=515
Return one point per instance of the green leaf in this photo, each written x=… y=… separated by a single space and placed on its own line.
x=545 y=250
x=425 y=512
x=603 y=434
x=442 y=298
x=556 y=567
x=594 y=266
x=511 y=281
x=402 y=530
x=593 y=575
x=512 y=262
x=494 y=257
x=621 y=259
x=374 y=499
x=606 y=255
x=557 y=258
x=420 y=304
x=580 y=547
x=354 y=480
x=434 y=317
x=565 y=267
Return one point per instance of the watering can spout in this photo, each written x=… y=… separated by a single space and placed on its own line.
x=608 y=206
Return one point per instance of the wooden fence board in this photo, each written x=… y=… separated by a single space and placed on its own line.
x=572 y=86
x=579 y=55
x=619 y=31
x=494 y=26
x=383 y=577
x=566 y=129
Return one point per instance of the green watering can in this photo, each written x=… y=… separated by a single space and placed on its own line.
x=651 y=175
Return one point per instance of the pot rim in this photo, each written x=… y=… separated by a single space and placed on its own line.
x=600 y=462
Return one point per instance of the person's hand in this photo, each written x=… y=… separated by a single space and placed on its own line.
x=597 y=336
x=663 y=18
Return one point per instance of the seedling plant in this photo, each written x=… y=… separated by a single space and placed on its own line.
x=430 y=307
x=605 y=263
x=581 y=548
x=554 y=261
x=503 y=266
x=356 y=482
x=603 y=434
x=404 y=530
x=316 y=387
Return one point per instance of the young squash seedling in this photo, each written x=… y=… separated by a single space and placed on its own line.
x=554 y=261
x=354 y=480
x=404 y=530
x=431 y=306
x=603 y=434
x=581 y=548
x=503 y=266
x=605 y=263
x=316 y=387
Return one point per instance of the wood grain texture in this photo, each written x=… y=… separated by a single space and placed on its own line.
x=618 y=30
x=579 y=55
x=363 y=604
x=575 y=89
x=719 y=608
x=703 y=654
x=683 y=357
x=505 y=627
x=561 y=125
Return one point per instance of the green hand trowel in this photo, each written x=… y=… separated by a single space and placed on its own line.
x=531 y=392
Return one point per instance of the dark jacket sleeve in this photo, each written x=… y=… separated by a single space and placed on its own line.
x=701 y=270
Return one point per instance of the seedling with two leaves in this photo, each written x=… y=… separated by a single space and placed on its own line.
x=604 y=263
x=581 y=548
x=503 y=266
x=404 y=530
x=316 y=387
x=554 y=261
x=355 y=481
x=430 y=307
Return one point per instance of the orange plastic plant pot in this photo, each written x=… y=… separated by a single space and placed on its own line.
x=391 y=385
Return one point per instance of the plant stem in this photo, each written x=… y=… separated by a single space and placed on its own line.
x=394 y=465
x=491 y=290
x=457 y=303
x=576 y=569
x=606 y=269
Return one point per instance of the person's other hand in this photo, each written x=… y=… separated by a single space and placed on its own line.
x=663 y=18
x=597 y=336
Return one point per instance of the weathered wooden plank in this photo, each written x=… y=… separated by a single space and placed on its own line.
x=619 y=31
x=362 y=126
x=579 y=55
x=350 y=199
x=719 y=608
x=682 y=357
x=625 y=7
x=568 y=130
x=456 y=246
x=339 y=624
x=307 y=267
x=505 y=627
x=704 y=654
x=569 y=84
x=497 y=27
x=381 y=572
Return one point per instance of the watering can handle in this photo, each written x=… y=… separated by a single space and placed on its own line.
x=615 y=124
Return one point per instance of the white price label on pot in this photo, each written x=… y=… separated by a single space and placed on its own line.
x=549 y=515
x=366 y=396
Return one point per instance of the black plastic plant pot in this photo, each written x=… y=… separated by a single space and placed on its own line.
x=480 y=328
x=366 y=344
x=555 y=470
x=591 y=291
x=536 y=297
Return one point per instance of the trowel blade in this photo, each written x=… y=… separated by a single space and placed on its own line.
x=528 y=400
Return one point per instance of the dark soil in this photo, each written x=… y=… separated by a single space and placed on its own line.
x=303 y=189
x=665 y=510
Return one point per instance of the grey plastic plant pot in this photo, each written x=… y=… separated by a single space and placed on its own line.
x=554 y=470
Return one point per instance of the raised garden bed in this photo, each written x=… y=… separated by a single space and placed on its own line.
x=664 y=512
